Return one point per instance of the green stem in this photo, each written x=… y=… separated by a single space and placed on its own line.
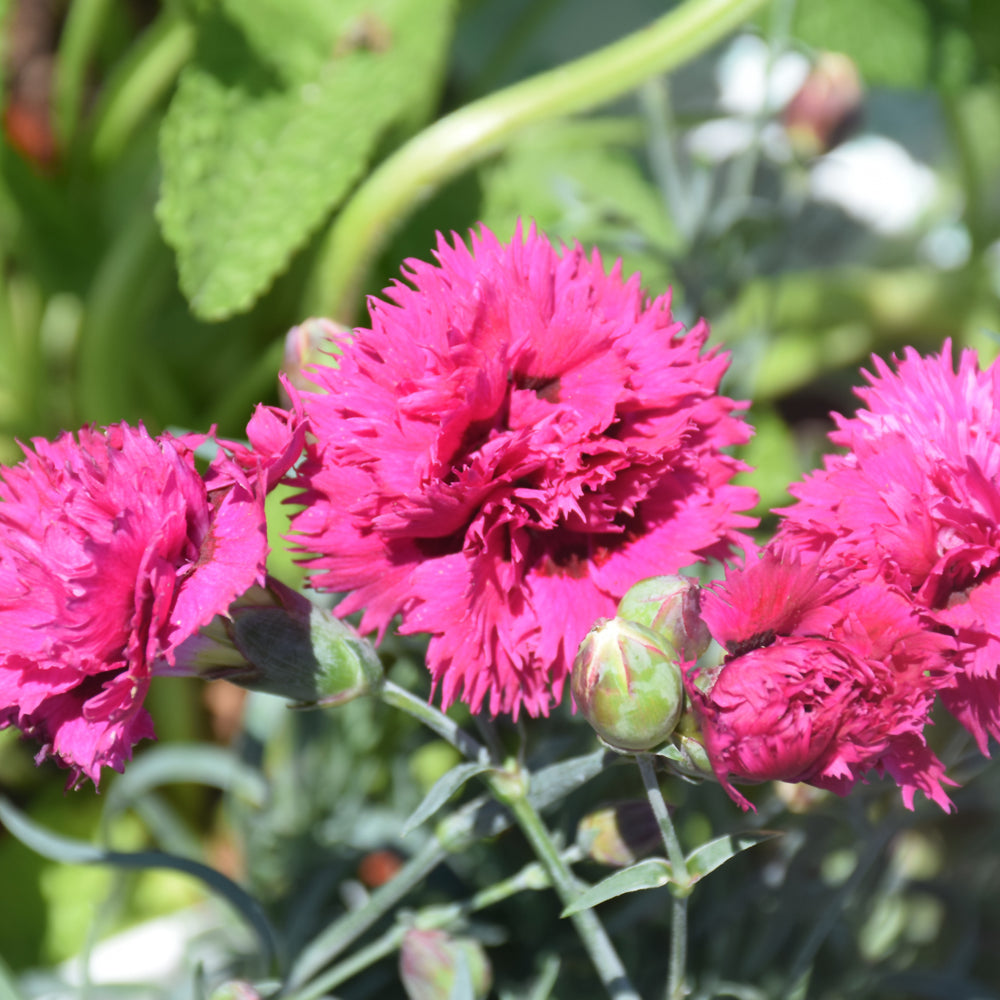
x=80 y=36
x=422 y=711
x=324 y=948
x=678 y=919
x=595 y=938
x=510 y=789
x=139 y=83
x=107 y=345
x=531 y=877
x=470 y=134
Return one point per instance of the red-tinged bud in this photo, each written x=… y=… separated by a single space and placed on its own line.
x=619 y=835
x=275 y=640
x=627 y=683
x=432 y=963
x=670 y=605
x=236 y=989
x=827 y=107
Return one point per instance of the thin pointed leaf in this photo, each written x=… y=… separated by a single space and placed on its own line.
x=717 y=852
x=443 y=789
x=551 y=784
x=199 y=763
x=541 y=989
x=649 y=874
x=69 y=851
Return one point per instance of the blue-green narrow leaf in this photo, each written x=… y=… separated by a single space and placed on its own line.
x=199 y=763
x=649 y=874
x=442 y=790
x=717 y=852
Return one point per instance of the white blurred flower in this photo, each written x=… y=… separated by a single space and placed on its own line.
x=748 y=86
x=751 y=84
x=877 y=182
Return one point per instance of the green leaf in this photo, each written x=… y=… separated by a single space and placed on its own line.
x=889 y=40
x=443 y=789
x=274 y=120
x=649 y=874
x=653 y=873
x=717 y=852
x=67 y=850
x=551 y=784
x=200 y=763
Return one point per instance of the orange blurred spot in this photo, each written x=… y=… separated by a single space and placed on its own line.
x=378 y=867
x=29 y=132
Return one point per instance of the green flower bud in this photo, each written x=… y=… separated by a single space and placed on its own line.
x=627 y=682
x=275 y=640
x=670 y=605
x=685 y=754
x=431 y=962
x=619 y=835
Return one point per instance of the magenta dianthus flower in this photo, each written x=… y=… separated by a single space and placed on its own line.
x=823 y=683
x=113 y=551
x=915 y=501
x=518 y=438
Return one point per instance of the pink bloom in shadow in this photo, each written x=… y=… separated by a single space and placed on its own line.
x=113 y=550
x=518 y=438
x=823 y=683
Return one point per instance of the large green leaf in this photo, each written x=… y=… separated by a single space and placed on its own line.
x=272 y=123
x=890 y=40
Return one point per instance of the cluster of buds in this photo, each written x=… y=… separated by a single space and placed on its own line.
x=627 y=678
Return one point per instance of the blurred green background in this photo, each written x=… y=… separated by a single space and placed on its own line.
x=821 y=186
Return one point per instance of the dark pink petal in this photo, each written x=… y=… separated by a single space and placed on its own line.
x=518 y=438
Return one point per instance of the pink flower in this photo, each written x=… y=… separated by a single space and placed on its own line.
x=518 y=438
x=915 y=502
x=837 y=684
x=113 y=550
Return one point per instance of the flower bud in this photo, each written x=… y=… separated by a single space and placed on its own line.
x=670 y=605
x=628 y=685
x=275 y=640
x=826 y=108
x=686 y=754
x=236 y=989
x=619 y=835
x=431 y=961
x=307 y=344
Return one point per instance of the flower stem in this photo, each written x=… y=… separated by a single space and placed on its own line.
x=678 y=918
x=393 y=694
x=595 y=938
x=531 y=877
x=470 y=134
x=324 y=948
x=510 y=788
